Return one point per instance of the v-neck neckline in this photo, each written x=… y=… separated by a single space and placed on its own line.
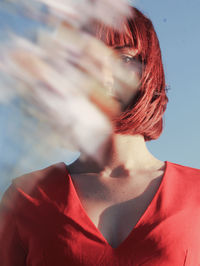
x=140 y=220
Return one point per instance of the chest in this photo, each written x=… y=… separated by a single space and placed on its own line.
x=114 y=221
x=116 y=218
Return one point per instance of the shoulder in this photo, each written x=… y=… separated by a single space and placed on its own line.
x=44 y=178
x=46 y=185
x=183 y=171
x=184 y=181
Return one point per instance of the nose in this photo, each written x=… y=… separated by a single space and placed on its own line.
x=109 y=86
x=108 y=79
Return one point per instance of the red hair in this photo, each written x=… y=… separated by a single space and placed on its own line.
x=143 y=115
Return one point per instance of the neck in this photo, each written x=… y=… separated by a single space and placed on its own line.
x=127 y=156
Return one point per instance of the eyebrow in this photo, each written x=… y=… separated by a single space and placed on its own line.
x=122 y=47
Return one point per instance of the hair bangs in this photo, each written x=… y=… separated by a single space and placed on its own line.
x=113 y=37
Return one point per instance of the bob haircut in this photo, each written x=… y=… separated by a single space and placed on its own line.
x=143 y=114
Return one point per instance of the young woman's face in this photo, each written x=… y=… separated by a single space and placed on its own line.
x=128 y=59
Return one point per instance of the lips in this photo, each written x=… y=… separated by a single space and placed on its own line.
x=116 y=99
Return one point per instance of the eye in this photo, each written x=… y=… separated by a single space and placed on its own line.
x=127 y=59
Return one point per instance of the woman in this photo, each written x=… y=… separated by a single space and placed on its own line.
x=134 y=209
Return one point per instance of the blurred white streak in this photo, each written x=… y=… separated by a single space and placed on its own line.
x=6 y=95
x=59 y=79
x=105 y=10
x=57 y=97
x=75 y=12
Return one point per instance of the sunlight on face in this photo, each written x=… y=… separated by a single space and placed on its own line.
x=128 y=60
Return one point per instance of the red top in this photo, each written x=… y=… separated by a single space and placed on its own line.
x=43 y=223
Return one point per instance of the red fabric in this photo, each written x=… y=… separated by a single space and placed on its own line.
x=42 y=223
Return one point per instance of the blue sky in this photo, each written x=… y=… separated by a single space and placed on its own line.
x=177 y=25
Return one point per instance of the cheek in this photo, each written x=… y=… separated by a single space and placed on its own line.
x=127 y=90
x=125 y=86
